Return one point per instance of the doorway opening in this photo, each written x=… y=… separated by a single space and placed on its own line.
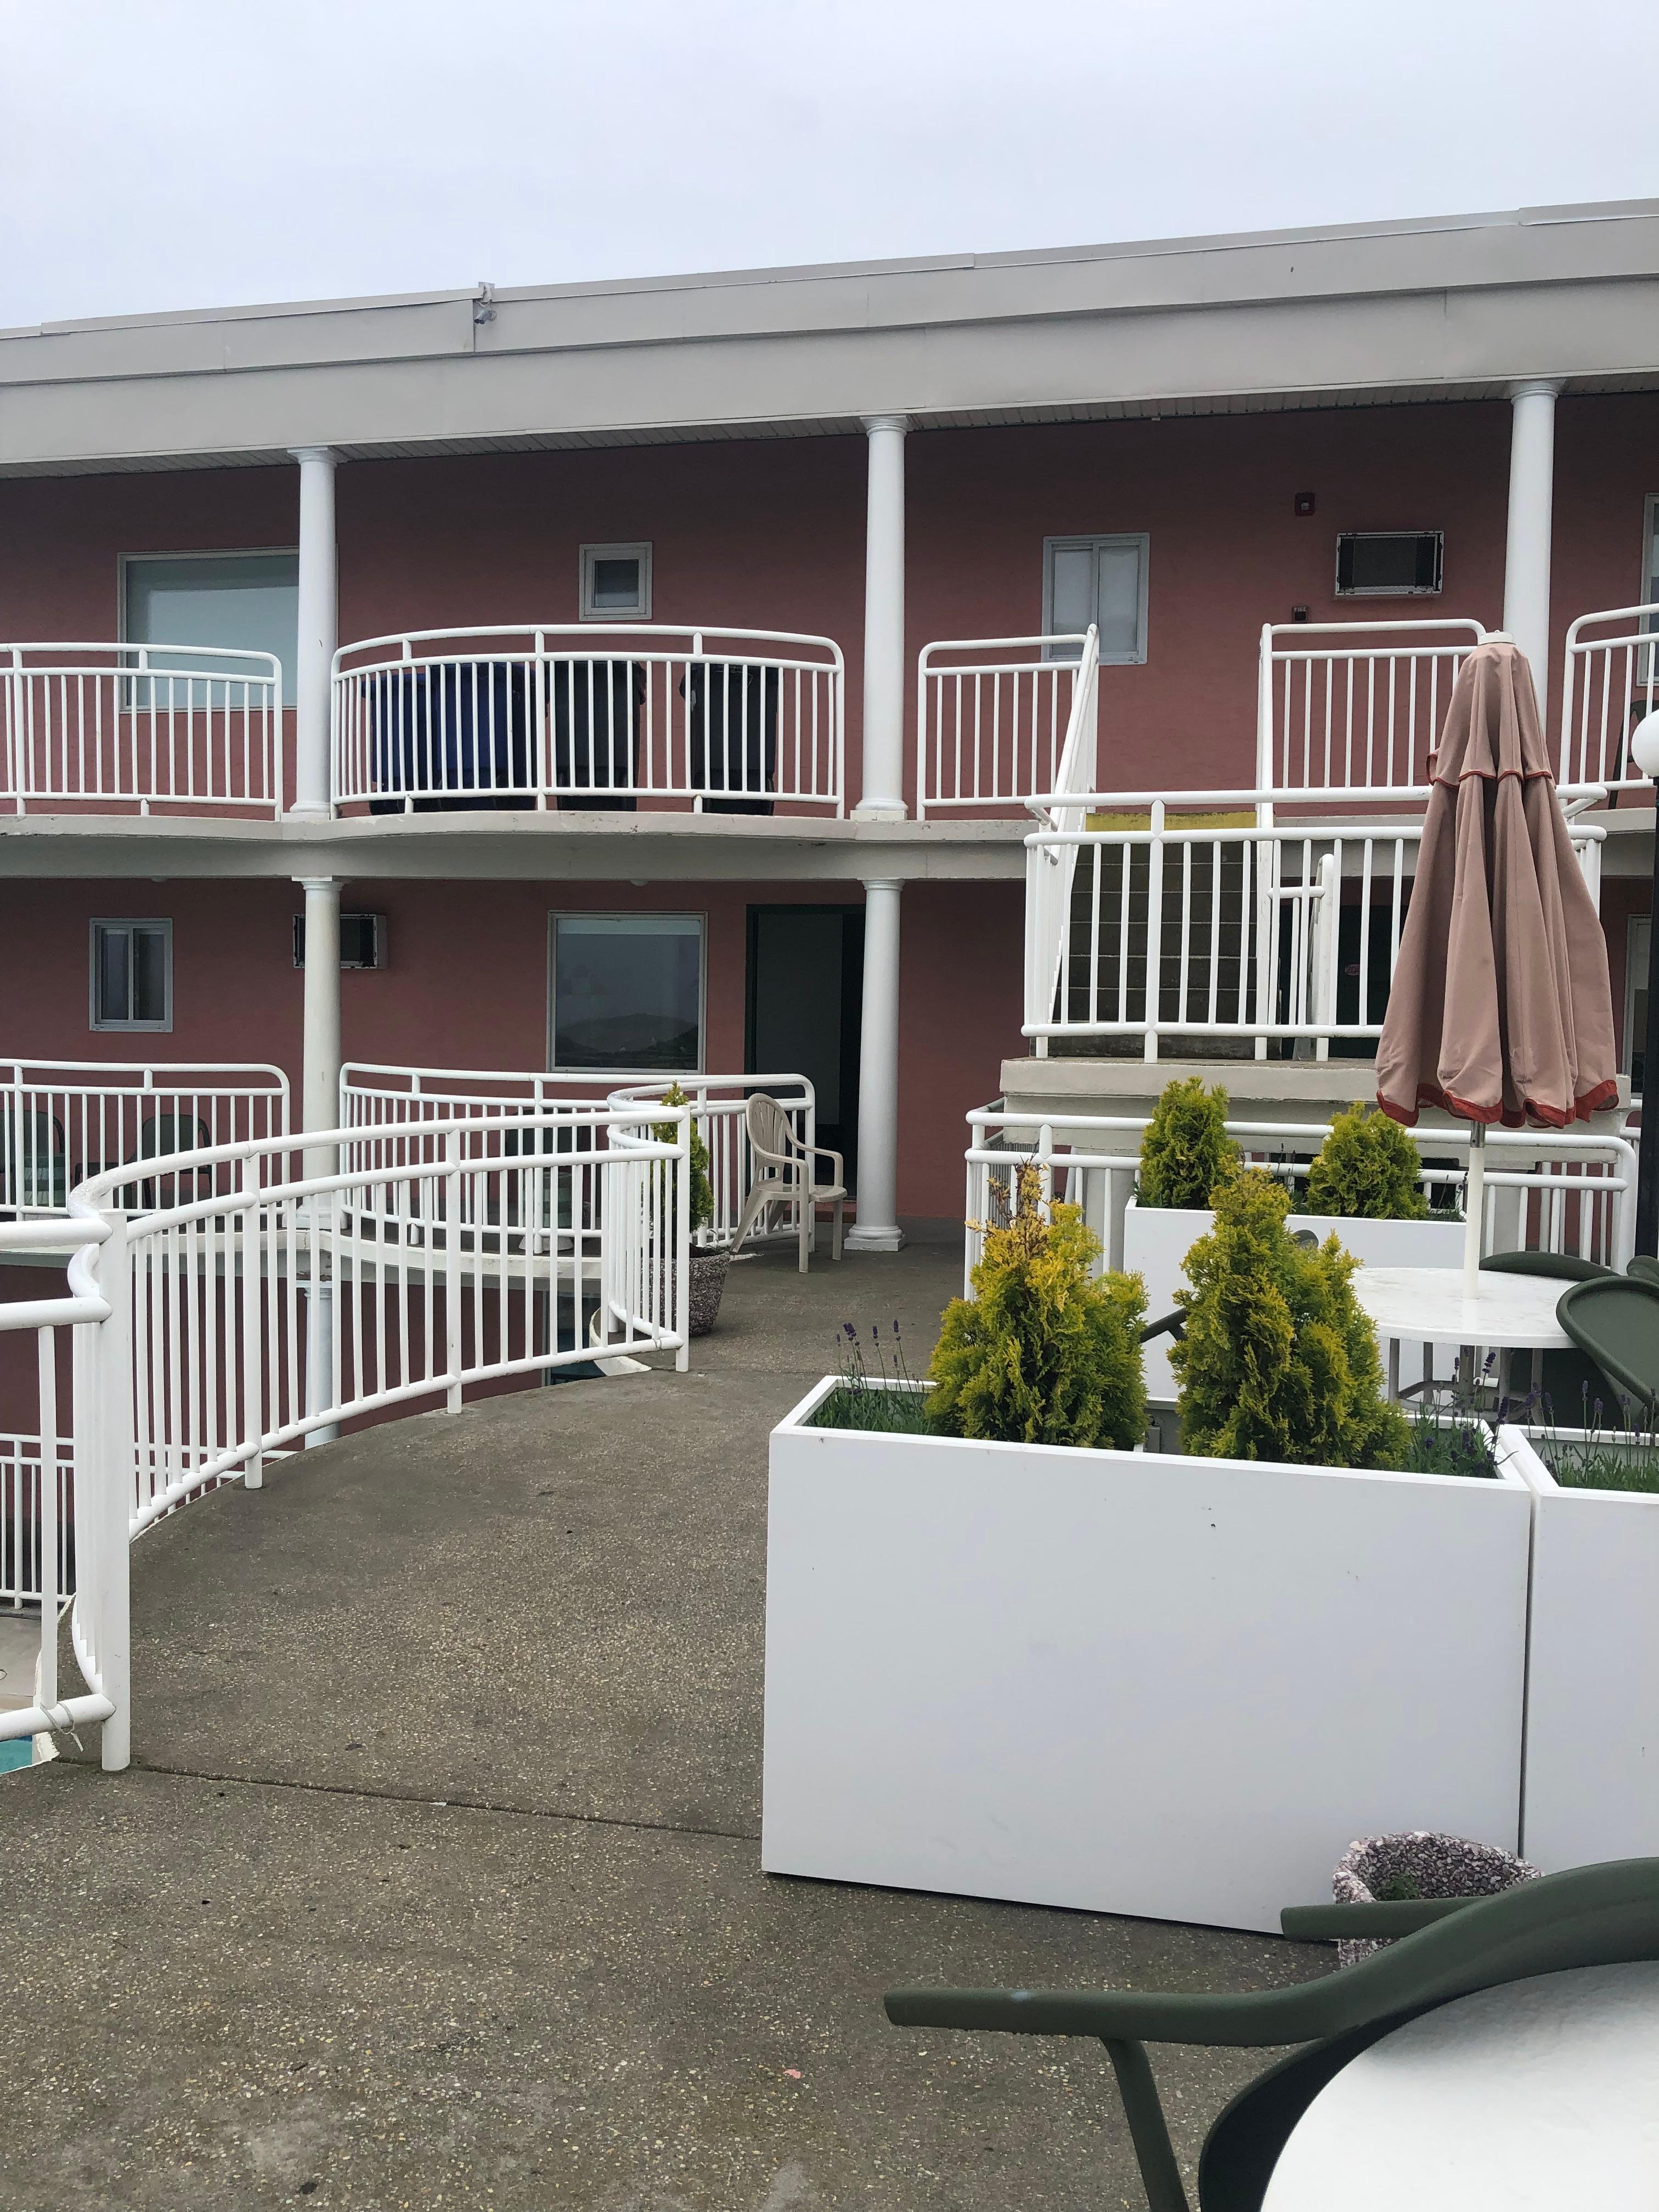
x=804 y=992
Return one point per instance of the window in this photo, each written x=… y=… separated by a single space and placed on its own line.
x=627 y=991
x=249 y=601
x=615 y=583
x=1636 y=999
x=1650 y=549
x=133 y=974
x=363 y=940
x=1101 y=580
x=1388 y=564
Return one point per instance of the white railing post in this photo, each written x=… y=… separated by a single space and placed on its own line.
x=1527 y=552
x=243 y=1292
x=679 y=1181
x=883 y=798
x=1155 y=930
x=46 y=1398
x=453 y=1295
x=109 y=1509
x=319 y=634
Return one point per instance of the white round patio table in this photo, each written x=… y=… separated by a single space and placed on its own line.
x=1426 y=1305
x=1542 y=2096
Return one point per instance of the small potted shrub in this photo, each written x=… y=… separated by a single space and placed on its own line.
x=1362 y=1185
x=709 y=1265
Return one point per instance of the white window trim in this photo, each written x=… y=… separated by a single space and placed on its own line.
x=1142 y=540
x=587 y=556
x=624 y=914
x=127 y=922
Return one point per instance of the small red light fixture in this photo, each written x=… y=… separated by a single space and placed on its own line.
x=1304 y=502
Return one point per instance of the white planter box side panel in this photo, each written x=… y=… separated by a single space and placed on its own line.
x=1592 y=1769
x=1139 y=1684
x=1157 y=1240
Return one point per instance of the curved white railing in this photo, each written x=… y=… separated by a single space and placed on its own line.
x=372 y=1096
x=138 y=726
x=271 y=1304
x=1608 y=685
x=585 y=715
x=62 y=1122
x=993 y=718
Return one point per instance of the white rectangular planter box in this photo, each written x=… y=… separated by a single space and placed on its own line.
x=1129 y=1682
x=1592 y=1771
x=1157 y=1238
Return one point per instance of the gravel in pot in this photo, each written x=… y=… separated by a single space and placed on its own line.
x=1383 y=1870
x=709 y=1272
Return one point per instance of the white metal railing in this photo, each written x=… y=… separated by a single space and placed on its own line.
x=372 y=1097
x=1354 y=708
x=214 y=1332
x=993 y=716
x=141 y=726
x=1609 y=684
x=63 y=1121
x=586 y=715
x=1559 y=1193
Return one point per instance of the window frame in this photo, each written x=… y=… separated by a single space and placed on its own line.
x=95 y=927
x=1434 y=591
x=557 y=914
x=1072 y=542
x=126 y=561
x=587 y=559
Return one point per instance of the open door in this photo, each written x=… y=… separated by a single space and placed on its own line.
x=805 y=987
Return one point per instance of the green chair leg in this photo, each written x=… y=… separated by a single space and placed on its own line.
x=1160 y=2176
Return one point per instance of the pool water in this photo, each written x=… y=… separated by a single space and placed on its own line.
x=16 y=1751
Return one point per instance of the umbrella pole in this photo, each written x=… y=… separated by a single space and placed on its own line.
x=1475 y=1208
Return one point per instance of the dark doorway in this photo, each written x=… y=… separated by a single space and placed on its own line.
x=805 y=984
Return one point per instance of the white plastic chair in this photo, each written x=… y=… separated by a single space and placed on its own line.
x=780 y=1173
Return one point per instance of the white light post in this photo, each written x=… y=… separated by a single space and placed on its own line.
x=883 y=622
x=877 y=1228
x=1526 y=554
x=1644 y=751
x=318 y=631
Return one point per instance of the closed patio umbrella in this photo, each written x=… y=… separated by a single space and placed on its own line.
x=1501 y=1010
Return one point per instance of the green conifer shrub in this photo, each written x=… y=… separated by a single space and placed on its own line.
x=1279 y=1362
x=1186 y=1151
x=1367 y=1169
x=702 y=1191
x=1042 y=1352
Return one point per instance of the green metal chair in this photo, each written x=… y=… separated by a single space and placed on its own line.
x=1449 y=1948
x=1616 y=1324
x=1563 y=1266
x=1644 y=1267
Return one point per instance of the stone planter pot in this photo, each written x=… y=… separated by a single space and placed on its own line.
x=1592 y=1777
x=708 y=1272
x=1440 y=1866
x=1157 y=1238
x=1128 y=1681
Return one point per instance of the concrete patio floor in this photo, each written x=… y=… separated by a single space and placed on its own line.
x=434 y=1881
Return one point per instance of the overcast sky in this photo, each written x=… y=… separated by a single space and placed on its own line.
x=165 y=154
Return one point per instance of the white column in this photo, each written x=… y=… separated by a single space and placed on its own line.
x=319 y=1086
x=877 y=1228
x=1527 y=556
x=319 y=622
x=883 y=622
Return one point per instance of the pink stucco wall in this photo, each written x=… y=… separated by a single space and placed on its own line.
x=466 y=986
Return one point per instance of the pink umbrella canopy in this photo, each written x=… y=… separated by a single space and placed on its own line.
x=1501 y=1010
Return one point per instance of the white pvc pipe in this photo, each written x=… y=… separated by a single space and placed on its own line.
x=318 y=630
x=877 y=1228
x=883 y=622
x=1526 y=554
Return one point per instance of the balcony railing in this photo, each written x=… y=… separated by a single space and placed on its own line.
x=1354 y=708
x=991 y=719
x=138 y=727
x=1610 y=683
x=588 y=716
x=63 y=1121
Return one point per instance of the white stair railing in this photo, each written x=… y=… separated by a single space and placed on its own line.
x=588 y=714
x=1609 y=682
x=135 y=727
x=266 y=1306
x=993 y=718
x=1051 y=854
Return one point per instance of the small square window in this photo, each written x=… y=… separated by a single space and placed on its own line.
x=363 y=940
x=1101 y=580
x=615 y=583
x=627 y=991
x=133 y=974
